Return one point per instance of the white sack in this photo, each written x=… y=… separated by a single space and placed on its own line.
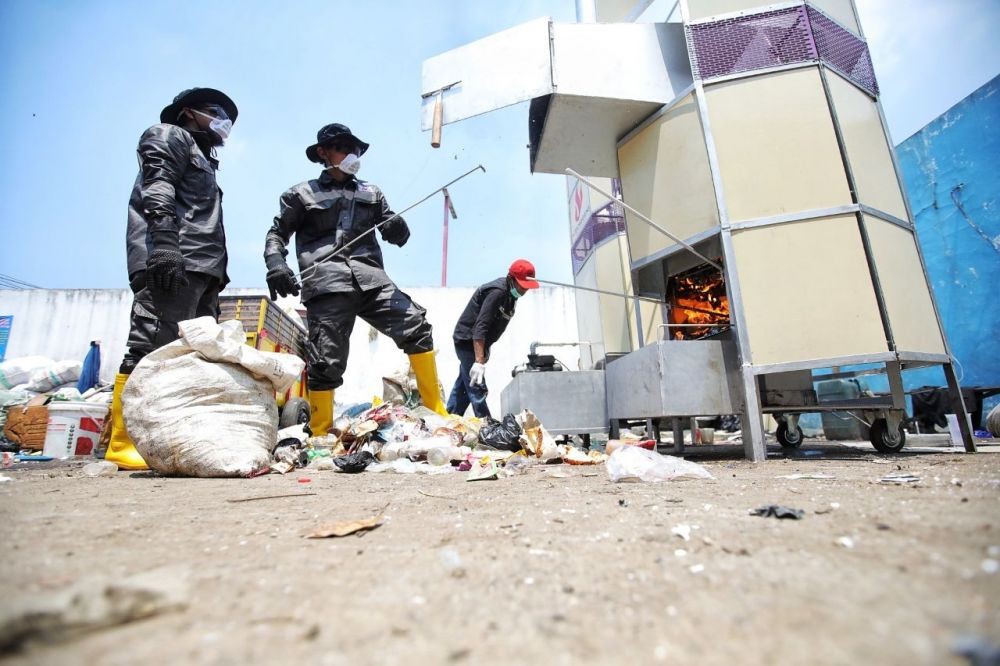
x=18 y=371
x=204 y=405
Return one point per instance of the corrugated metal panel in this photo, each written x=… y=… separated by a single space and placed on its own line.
x=951 y=169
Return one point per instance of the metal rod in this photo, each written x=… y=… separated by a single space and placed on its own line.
x=599 y=291
x=714 y=324
x=646 y=220
x=444 y=242
x=354 y=240
x=533 y=347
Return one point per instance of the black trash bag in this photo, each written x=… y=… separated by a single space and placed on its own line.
x=501 y=435
x=778 y=511
x=354 y=462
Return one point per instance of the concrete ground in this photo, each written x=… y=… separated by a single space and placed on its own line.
x=558 y=565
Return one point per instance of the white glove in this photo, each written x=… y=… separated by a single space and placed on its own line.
x=477 y=374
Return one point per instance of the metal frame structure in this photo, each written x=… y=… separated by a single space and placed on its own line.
x=894 y=362
x=776 y=39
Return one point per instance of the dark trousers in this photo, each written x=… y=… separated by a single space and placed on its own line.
x=155 y=315
x=388 y=309
x=464 y=393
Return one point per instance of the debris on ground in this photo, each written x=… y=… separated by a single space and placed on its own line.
x=345 y=527
x=796 y=477
x=778 y=511
x=631 y=463
x=91 y=604
x=900 y=479
x=978 y=650
x=353 y=463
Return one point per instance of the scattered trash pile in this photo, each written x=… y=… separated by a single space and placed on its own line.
x=47 y=405
x=387 y=437
x=391 y=437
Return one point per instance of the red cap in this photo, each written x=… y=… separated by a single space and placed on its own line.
x=523 y=272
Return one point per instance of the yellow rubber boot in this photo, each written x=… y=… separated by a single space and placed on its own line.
x=322 y=412
x=425 y=368
x=121 y=450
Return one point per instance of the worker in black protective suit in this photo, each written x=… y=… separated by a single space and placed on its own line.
x=175 y=243
x=483 y=321
x=325 y=214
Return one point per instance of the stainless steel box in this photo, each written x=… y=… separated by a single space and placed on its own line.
x=675 y=378
x=567 y=403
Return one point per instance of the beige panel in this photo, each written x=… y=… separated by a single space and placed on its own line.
x=807 y=293
x=904 y=287
x=615 y=322
x=614 y=11
x=665 y=175
x=776 y=145
x=700 y=9
x=650 y=314
x=841 y=11
x=867 y=147
x=588 y=314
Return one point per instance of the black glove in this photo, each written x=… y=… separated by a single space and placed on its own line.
x=280 y=278
x=165 y=266
x=396 y=232
x=137 y=281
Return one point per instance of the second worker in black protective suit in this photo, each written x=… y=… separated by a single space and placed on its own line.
x=324 y=215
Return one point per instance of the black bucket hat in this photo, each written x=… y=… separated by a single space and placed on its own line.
x=330 y=133
x=193 y=97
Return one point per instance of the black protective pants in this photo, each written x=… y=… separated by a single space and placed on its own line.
x=331 y=317
x=155 y=315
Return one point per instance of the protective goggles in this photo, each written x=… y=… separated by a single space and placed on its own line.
x=213 y=110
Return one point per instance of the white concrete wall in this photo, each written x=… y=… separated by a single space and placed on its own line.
x=61 y=323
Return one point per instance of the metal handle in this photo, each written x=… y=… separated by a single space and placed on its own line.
x=438 y=115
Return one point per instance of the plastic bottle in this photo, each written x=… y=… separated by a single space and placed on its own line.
x=443 y=455
x=102 y=468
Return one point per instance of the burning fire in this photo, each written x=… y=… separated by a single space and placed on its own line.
x=698 y=298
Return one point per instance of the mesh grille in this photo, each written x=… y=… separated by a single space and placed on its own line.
x=747 y=43
x=774 y=38
x=843 y=51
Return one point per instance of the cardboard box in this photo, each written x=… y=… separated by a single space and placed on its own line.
x=27 y=424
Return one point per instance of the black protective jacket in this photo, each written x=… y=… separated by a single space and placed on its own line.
x=324 y=215
x=176 y=190
x=487 y=314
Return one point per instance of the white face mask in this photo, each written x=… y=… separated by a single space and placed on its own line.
x=350 y=165
x=220 y=127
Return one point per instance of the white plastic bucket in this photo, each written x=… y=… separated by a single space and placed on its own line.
x=73 y=429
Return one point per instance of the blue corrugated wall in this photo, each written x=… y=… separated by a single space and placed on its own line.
x=951 y=169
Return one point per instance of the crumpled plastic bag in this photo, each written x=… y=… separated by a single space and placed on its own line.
x=535 y=439
x=501 y=435
x=204 y=405
x=354 y=462
x=400 y=387
x=631 y=463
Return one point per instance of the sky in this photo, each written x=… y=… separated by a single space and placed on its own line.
x=82 y=79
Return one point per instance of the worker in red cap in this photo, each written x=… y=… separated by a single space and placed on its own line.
x=483 y=321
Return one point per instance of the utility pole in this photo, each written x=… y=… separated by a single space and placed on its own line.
x=449 y=209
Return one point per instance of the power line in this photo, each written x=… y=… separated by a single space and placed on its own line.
x=10 y=282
